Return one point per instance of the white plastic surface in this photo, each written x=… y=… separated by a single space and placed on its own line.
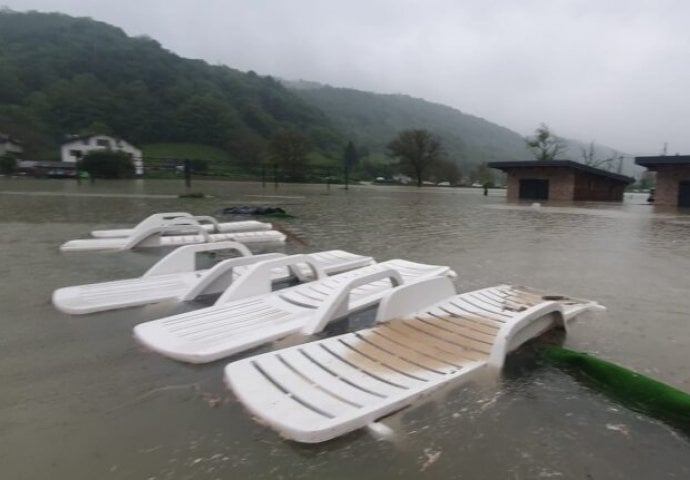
x=175 y=277
x=164 y=237
x=321 y=390
x=233 y=326
x=166 y=218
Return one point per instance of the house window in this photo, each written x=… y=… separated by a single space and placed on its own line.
x=102 y=142
x=75 y=153
x=85 y=141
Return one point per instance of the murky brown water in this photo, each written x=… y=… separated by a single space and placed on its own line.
x=80 y=400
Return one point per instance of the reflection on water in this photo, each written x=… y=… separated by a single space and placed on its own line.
x=80 y=399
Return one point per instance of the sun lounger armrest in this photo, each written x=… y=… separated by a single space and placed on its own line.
x=139 y=236
x=209 y=219
x=337 y=305
x=258 y=280
x=220 y=277
x=160 y=219
x=405 y=299
x=183 y=259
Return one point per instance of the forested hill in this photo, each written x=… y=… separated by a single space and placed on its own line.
x=374 y=120
x=62 y=75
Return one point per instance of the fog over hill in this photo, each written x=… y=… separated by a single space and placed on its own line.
x=63 y=75
x=373 y=119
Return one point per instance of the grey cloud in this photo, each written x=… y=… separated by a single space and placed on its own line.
x=614 y=71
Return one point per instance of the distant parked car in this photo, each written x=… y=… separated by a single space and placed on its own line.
x=61 y=173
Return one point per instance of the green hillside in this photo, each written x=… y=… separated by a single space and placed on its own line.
x=61 y=75
x=373 y=120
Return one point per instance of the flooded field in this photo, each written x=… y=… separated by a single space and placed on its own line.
x=80 y=399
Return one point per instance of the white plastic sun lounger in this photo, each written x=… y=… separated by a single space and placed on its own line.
x=164 y=236
x=320 y=390
x=249 y=314
x=175 y=277
x=209 y=224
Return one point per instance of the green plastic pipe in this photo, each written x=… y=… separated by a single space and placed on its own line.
x=633 y=389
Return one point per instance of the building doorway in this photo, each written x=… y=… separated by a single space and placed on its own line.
x=684 y=193
x=534 y=189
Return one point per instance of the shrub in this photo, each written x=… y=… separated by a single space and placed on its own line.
x=8 y=164
x=107 y=164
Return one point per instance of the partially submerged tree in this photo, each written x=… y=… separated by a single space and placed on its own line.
x=447 y=171
x=107 y=164
x=288 y=150
x=483 y=175
x=350 y=158
x=416 y=151
x=545 y=145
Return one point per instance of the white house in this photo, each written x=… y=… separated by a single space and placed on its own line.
x=78 y=147
x=9 y=145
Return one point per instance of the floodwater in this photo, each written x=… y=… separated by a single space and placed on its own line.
x=79 y=399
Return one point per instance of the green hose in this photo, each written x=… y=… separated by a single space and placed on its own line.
x=632 y=389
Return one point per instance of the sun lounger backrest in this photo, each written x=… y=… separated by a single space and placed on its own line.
x=528 y=324
x=408 y=298
x=535 y=320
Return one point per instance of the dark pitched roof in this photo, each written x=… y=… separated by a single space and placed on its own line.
x=561 y=164
x=76 y=138
x=663 y=160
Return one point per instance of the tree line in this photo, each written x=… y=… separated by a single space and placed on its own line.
x=62 y=75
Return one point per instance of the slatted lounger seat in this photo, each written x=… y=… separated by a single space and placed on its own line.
x=249 y=314
x=175 y=277
x=209 y=224
x=320 y=390
x=170 y=236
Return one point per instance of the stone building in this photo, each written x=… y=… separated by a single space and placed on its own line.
x=561 y=180
x=672 y=178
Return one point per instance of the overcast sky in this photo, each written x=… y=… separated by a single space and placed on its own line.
x=614 y=71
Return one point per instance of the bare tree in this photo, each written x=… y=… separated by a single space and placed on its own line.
x=288 y=150
x=417 y=151
x=545 y=145
x=590 y=158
